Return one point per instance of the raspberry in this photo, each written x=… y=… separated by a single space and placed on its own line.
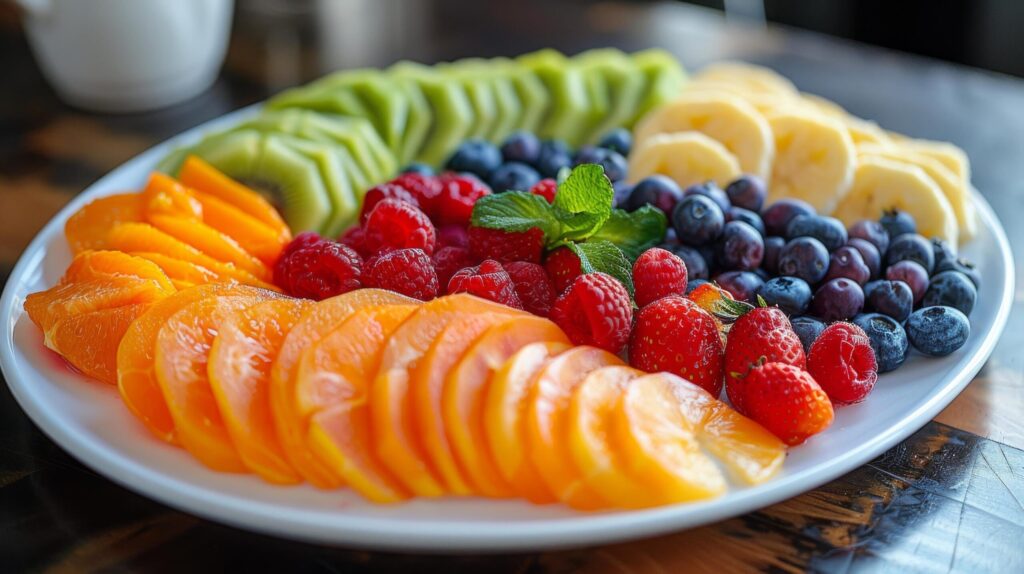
x=381 y=192
x=395 y=224
x=842 y=362
x=452 y=236
x=595 y=310
x=489 y=280
x=300 y=241
x=545 y=188
x=321 y=270
x=425 y=188
x=532 y=286
x=405 y=271
x=458 y=196
x=355 y=238
x=448 y=260
x=506 y=246
x=563 y=267
x=658 y=273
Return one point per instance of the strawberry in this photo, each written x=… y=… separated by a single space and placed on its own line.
x=787 y=401
x=765 y=333
x=673 y=334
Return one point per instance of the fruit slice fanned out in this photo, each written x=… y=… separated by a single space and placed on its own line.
x=210 y=242
x=90 y=265
x=686 y=157
x=814 y=159
x=64 y=300
x=89 y=340
x=748 y=78
x=203 y=177
x=179 y=269
x=262 y=241
x=88 y=227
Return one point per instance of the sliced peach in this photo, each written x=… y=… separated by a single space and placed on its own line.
x=333 y=379
x=464 y=397
x=99 y=264
x=179 y=269
x=239 y=373
x=88 y=227
x=136 y=377
x=180 y=284
x=263 y=241
x=66 y=299
x=211 y=242
x=163 y=195
x=427 y=385
x=505 y=408
x=398 y=443
x=89 y=340
x=547 y=423
x=314 y=325
x=203 y=177
x=181 y=359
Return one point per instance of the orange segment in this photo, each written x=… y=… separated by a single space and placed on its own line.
x=464 y=397
x=45 y=308
x=262 y=241
x=136 y=377
x=333 y=380
x=547 y=423
x=165 y=196
x=89 y=340
x=182 y=349
x=88 y=227
x=203 y=177
x=99 y=264
x=239 y=372
x=209 y=241
x=427 y=385
x=315 y=324
x=398 y=443
x=179 y=269
x=505 y=408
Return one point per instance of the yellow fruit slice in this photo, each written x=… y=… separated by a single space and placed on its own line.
x=747 y=77
x=814 y=159
x=686 y=157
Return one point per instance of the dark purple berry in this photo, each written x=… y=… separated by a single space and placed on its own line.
x=872 y=232
x=791 y=294
x=613 y=163
x=911 y=247
x=888 y=340
x=808 y=329
x=847 y=262
x=742 y=285
x=938 y=331
x=748 y=192
x=554 y=155
x=838 y=300
x=952 y=289
x=911 y=273
x=475 y=156
x=622 y=192
x=708 y=253
x=963 y=266
x=828 y=230
x=772 y=248
x=696 y=266
x=521 y=146
x=746 y=216
x=869 y=253
x=711 y=190
x=897 y=223
x=697 y=220
x=418 y=167
x=804 y=257
x=888 y=297
x=619 y=140
x=778 y=215
x=740 y=247
x=513 y=176
x=656 y=190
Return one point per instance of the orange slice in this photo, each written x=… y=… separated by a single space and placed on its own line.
x=89 y=340
x=165 y=196
x=64 y=300
x=100 y=264
x=211 y=242
x=201 y=176
x=262 y=241
x=179 y=269
x=88 y=227
x=465 y=391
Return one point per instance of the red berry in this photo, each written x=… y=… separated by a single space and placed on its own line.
x=448 y=260
x=563 y=267
x=532 y=286
x=452 y=236
x=355 y=238
x=425 y=188
x=843 y=363
x=395 y=224
x=489 y=280
x=321 y=270
x=761 y=332
x=300 y=241
x=674 y=334
x=378 y=193
x=545 y=188
x=595 y=310
x=788 y=402
x=506 y=246
x=405 y=271
x=458 y=196
x=658 y=273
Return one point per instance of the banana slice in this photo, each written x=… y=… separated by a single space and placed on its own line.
x=956 y=160
x=952 y=187
x=880 y=184
x=730 y=120
x=824 y=105
x=747 y=77
x=686 y=157
x=814 y=159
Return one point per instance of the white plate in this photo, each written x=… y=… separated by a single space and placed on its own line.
x=89 y=421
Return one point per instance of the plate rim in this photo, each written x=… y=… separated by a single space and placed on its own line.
x=387 y=534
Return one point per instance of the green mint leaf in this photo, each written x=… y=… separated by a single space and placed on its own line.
x=516 y=211
x=603 y=256
x=583 y=202
x=634 y=232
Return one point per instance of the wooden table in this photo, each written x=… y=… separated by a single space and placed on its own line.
x=949 y=498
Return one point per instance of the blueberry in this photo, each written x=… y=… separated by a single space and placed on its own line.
x=952 y=289
x=709 y=189
x=804 y=257
x=622 y=192
x=791 y=294
x=742 y=285
x=772 y=248
x=521 y=146
x=748 y=192
x=911 y=273
x=911 y=247
x=808 y=329
x=613 y=163
x=697 y=220
x=619 y=140
x=554 y=155
x=848 y=262
x=778 y=215
x=943 y=253
x=938 y=331
x=871 y=231
x=696 y=266
x=746 y=216
x=475 y=156
x=869 y=253
x=837 y=300
x=764 y=275
x=657 y=190
x=694 y=283
x=963 y=266
x=588 y=154
x=888 y=340
x=892 y=298
x=897 y=223
x=417 y=167
x=708 y=253
x=740 y=247
x=513 y=176
x=828 y=230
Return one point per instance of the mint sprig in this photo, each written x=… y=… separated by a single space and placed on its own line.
x=583 y=202
x=634 y=232
x=516 y=211
x=603 y=256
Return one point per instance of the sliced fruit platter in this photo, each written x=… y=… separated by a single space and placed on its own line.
x=508 y=303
